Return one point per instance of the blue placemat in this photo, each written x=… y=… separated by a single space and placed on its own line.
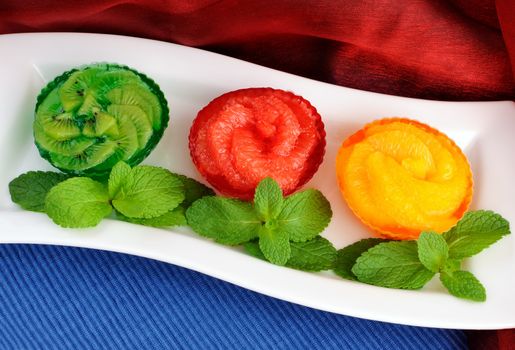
x=73 y=298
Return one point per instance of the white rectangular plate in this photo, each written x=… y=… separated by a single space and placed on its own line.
x=190 y=78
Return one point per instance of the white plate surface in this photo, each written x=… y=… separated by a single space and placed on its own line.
x=190 y=78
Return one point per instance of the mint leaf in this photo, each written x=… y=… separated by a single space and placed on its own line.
x=392 y=265
x=275 y=245
x=317 y=254
x=30 y=189
x=305 y=214
x=451 y=265
x=193 y=190
x=175 y=217
x=346 y=257
x=476 y=231
x=148 y=192
x=268 y=199
x=252 y=247
x=226 y=220
x=117 y=178
x=432 y=250
x=78 y=202
x=463 y=284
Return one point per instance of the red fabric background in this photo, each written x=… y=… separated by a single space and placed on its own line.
x=446 y=50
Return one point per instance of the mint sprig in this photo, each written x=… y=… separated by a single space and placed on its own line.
x=346 y=257
x=146 y=192
x=275 y=244
x=392 y=265
x=29 y=190
x=117 y=177
x=78 y=202
x=463 y=284
x=433 y=250
x=193 y=190
x=304 y=215
x=411 y=264
x=268 y=199
x=317 y=254
x=145 y=195
x=476 y=231
x=226 y=220
x=276 y=222
x=172 y=218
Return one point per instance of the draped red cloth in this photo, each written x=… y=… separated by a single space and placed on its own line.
x=445 y=50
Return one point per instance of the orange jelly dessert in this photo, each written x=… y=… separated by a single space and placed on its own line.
x=401 y=177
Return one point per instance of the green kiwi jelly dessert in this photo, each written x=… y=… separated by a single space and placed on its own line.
x=89 y=118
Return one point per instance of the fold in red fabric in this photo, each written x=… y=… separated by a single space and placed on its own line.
x=434 y=49
x=446 y=50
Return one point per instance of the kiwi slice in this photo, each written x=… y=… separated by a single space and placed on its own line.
x=137 y=95
x=89 y=106
x=91 y=156
x=56 y=124
x=60 y=127
x=128 y=139
x=101 y=124
x=76 y=86
x=66 y=147
x=113 y=79
x=137 y=117
x=51 y=103
x=90 y=117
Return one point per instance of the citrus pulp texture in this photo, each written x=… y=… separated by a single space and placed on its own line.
x=401 y=177
x=246 y=135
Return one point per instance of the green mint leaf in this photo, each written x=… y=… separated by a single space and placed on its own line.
x=275 y=245
x=148 y=192
x=268 y=199
x=392 y=265
x=78 y=202
x=253 y=249
x=305 y=214
x=226 y=220
x=175 y=217
x=346 y=257
x=463 y=284
x=30 y=189
x=451 y=265
x=432 y=250
x=317 y=254
x=193 y=190
x=476 y=231
x=117 y=178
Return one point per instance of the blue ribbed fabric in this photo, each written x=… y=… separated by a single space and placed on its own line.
x=72 y=298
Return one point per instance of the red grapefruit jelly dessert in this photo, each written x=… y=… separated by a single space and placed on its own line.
x=243 y=136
